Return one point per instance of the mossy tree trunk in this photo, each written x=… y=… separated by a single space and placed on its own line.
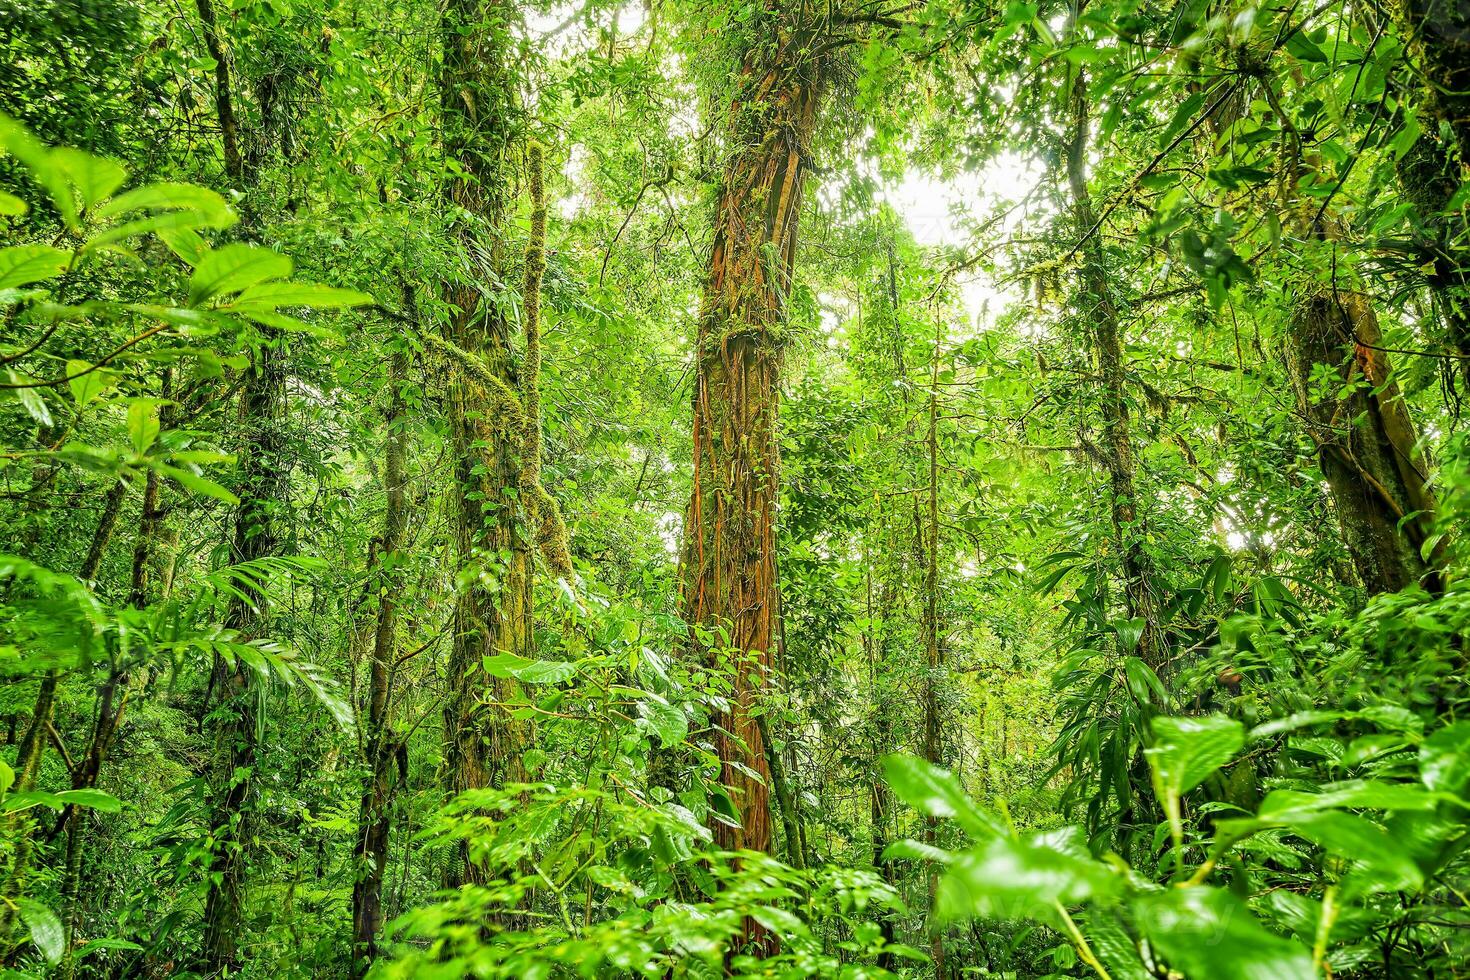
x=1365 y=437
x=381 y=744
x=729 y=566
x=493 y=604
x=1100 y=313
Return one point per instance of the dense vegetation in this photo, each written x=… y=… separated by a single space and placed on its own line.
x=672 y=488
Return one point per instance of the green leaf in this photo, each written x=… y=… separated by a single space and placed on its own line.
x=142 y=424
x=275 y=295
x=45 y=927
x=1304 y=48
x=93 y=798
x=233 y=268
x=937 y=792
x=1444 y=759
x=1206 y=932
x=186 y=243
x=546 y=672
x=11 y=206
x=1385 y=865
x=85 y=387
x=38 y=161
x=7 y=778
x=1143 y=683
x=1186 y=750
x=195 y=483
x=1024 y=879
x=528 y=670
x=666 y=720
x=912 y=850
x=30 y=398
x=21 y=265
x=106 y=942
x=156 y=224
x=1129 y=633
x=94 y=177
x=205 y=204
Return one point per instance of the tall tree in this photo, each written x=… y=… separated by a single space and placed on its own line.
x=1101 y=315
x=482 y=126
x=381 y=742
x=263 y=489
x=729 y=576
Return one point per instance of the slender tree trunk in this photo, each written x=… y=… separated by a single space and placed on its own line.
x=33 y=744
x=263 y=490
x=878 y=796
x=375 y=828
x=1429 y=179
x=928 y=535
x=493 y=605
x=1438 y=32
x=785 y=803
x=1116 y=452
x=264 y=487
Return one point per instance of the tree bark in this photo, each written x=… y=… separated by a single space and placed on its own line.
x=1366 y=439
x=1116 y=451
x=493 y=605
x=374 y=823
x=1438 y=32
x=1429 y=179
x=729 y=561
x=928 y=536
x=264 y=488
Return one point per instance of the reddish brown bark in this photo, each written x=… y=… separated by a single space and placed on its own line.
x=1366 y=439
x=730 y=580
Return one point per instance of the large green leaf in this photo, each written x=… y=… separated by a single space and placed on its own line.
x=21 y=265
x=1209 y=933
x=208 y=206
x=666 y=720
x=16 y=140
x=94 y=177
x=1444 y=759
x=142 y=424
x=233 y=268
x=937 y=792
x=1008 y=878
x=45 y=928
x=273 y=296
x=1187 y=750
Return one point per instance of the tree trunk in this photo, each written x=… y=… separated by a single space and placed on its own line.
x=729 y=561
x=374 y=823
x=493 y=605
x=1429 y=179
x=264 y=488
x=1439 y=36
x=928 y=536
x=1116 y=452
x=1366 y=440
x=32 y=747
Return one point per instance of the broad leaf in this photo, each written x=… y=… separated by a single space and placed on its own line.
x=1207 y=932
x=1025 y=879
x=233 y=268
x=937 y=792
x=21 y=265
x=45 y=928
